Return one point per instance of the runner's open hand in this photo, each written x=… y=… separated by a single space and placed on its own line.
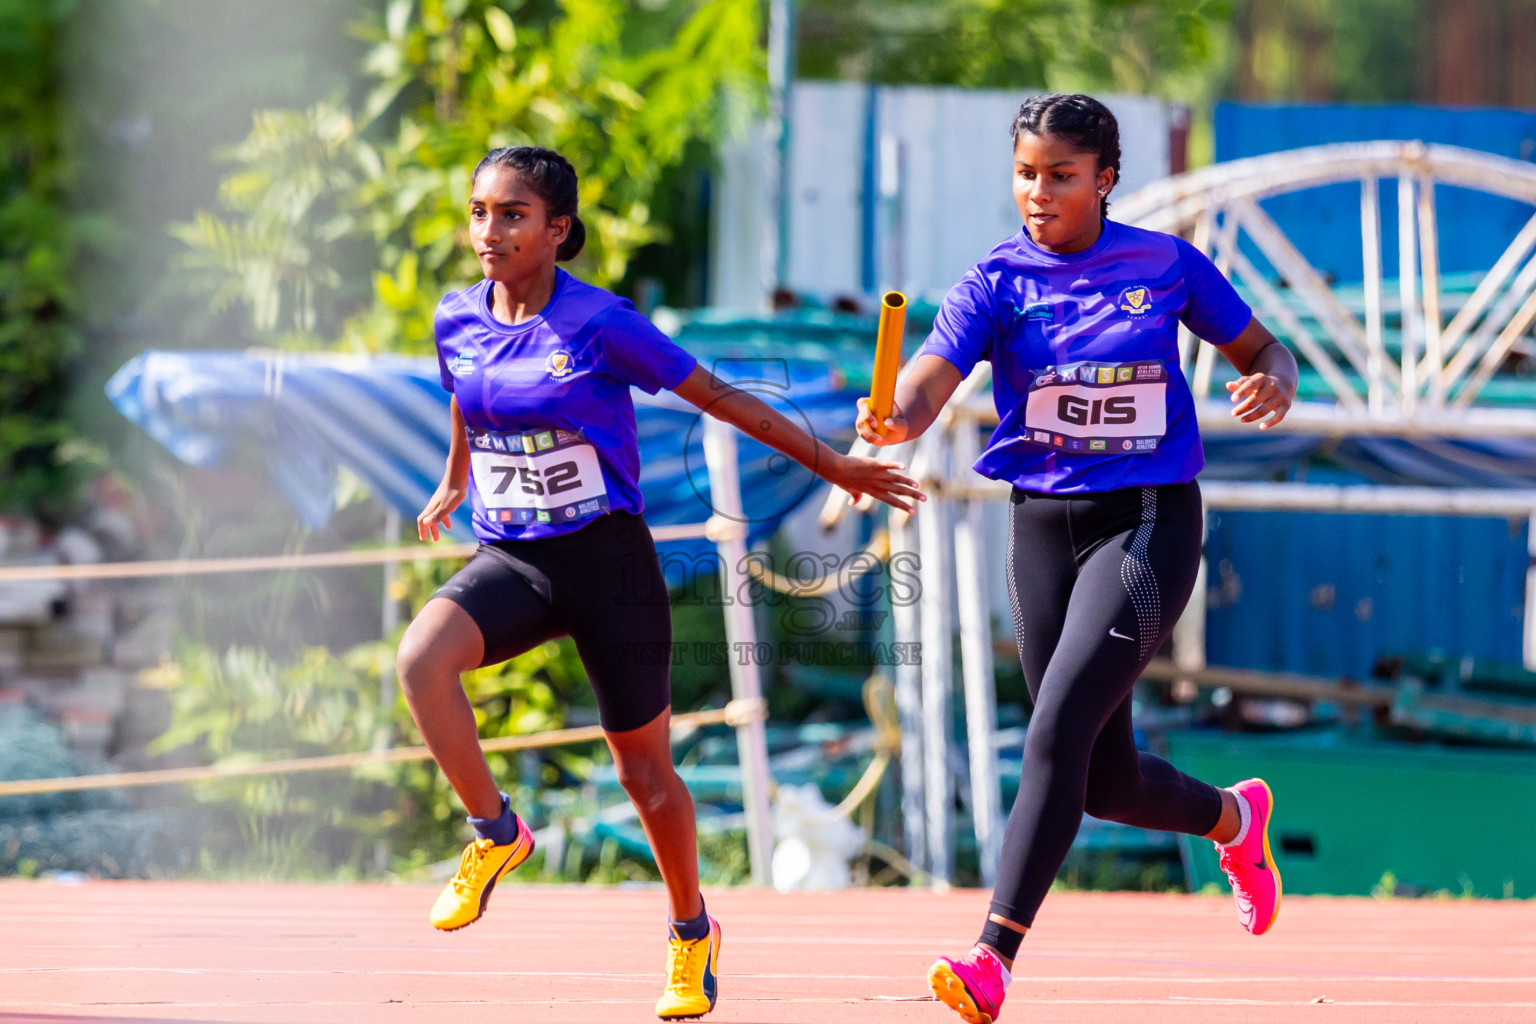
x=877 y=478
x=1258 y=395
x=449 y=496
x=895 y=426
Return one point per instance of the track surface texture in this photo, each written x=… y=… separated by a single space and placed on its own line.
x=329 y=954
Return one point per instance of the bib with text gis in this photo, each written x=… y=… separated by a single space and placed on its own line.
x=1095 y=409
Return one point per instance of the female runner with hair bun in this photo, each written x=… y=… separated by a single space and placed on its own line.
x=543 y=445
x=1079 y=316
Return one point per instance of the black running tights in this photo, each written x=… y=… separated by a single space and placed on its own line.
x=1096 y=582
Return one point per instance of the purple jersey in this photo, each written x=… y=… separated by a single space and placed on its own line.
x=546 y=404
x=1085 y=359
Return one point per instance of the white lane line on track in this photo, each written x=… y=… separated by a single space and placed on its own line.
x=1032 y=981
x=796 y=1000
x=1059 y=950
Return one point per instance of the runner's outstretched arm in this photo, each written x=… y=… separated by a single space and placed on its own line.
x=853 y=473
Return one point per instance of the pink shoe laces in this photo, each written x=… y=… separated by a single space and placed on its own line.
x=1232 y=862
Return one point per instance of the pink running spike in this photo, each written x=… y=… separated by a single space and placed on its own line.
x=972 y=986
x=1249 y=865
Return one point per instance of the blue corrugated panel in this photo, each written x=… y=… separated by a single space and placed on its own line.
x=1325 y=593
x=1325 y=222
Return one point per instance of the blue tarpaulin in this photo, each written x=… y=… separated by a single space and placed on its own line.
x=386 y=420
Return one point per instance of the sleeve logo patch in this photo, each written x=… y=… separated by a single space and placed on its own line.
x=1039 y=311
x=1136 y=301
x=462 y=365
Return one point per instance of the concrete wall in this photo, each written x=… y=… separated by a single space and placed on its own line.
x=75 y=650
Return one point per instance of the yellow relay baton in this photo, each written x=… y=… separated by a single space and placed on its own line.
x=893 y=322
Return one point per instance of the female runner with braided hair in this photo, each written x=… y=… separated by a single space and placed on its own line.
x=1079 y=317
x=543 y=443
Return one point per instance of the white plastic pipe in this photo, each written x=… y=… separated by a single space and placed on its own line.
x=906 y=625
x=934 y=540
x=741 y=638
x=976 y=666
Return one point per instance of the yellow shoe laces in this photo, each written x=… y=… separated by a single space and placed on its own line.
x=680 y=962
x=469 y=865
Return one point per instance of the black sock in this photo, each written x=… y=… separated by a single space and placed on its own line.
x=500 y=830
x=1001 y=938
x=697 y=928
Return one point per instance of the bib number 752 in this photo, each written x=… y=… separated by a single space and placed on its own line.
x=556 y=479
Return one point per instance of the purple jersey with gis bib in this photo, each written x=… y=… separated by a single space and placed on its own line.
x=546 y=404
x=1085 y=359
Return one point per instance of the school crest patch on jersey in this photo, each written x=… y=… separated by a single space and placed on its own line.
x=1136 y=301
x=463 y=365
x=560 y=365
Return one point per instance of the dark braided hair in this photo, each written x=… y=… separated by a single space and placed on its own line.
x=552 y=179
x=1081 y=120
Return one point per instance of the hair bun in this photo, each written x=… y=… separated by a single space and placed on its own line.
x=575 y=239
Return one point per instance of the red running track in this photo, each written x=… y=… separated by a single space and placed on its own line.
x=328 y=954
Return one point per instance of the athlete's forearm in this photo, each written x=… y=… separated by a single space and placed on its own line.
x=1276 y=361
x=457 y=468
x=922 y=391
x=917 y=406
x=1256 y=350
x=757 y=419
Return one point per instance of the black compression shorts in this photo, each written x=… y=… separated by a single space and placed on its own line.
x=602 y=586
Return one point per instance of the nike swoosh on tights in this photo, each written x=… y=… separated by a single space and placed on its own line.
x=1118 y=636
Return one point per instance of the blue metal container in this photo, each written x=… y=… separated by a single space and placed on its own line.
x=1326 y=593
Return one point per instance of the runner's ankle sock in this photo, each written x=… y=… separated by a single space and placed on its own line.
x=500 y=830
x=1245 y=816
x=1001 y=938
x=687 y=931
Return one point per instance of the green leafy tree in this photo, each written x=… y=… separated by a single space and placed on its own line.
x=377 y=191
x=39 y=336
x=1158 y=47
x=1461 y=52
